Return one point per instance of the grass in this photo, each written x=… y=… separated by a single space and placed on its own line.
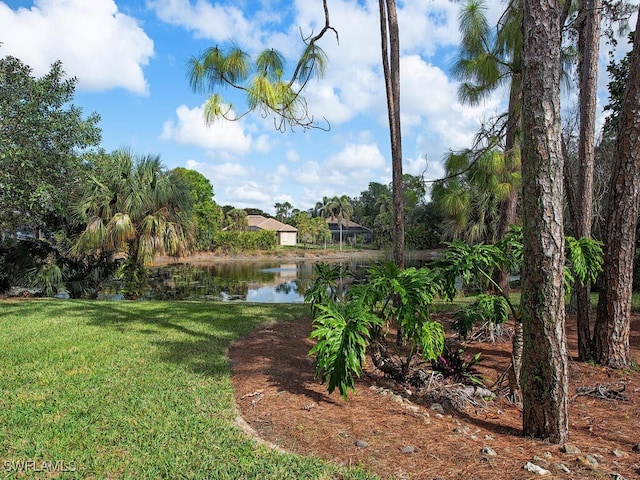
x=137 y=390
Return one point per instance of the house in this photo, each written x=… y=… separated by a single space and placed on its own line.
x=352 y=232
x=287 y=235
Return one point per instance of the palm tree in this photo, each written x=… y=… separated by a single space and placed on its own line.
x=487 y=61
x=132 y=206
x=322 y=209
x=342 y=209
x=470 y=202
x=283 y=211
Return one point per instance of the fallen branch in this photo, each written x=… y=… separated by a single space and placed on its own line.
x=611 y=391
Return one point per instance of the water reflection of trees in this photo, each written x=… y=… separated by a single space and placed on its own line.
x=234 y=280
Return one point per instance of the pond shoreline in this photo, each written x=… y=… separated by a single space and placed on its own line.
x=208 y=258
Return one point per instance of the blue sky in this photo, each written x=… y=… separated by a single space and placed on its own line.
x=129 y=57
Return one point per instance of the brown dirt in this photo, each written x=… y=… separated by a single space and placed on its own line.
x=277 y=395
x=206 y=258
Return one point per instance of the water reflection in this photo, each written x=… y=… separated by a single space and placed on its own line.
x=235 y=281
x=262 y=281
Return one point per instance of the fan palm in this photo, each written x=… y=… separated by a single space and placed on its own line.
x=132 y=206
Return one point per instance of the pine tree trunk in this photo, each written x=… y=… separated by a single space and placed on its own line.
x=614 y=305
x=544 y=374
x=589 y=47
x=391 y=66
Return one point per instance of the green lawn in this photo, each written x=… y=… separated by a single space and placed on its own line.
x=132 y=390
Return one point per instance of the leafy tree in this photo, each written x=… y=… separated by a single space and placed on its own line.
x=42 y=139
x=311 y=230
x=490 y=58
x=208 y=215
x=132 y=206
x=470 y=201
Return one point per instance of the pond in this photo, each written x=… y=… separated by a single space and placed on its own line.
x=261 y=280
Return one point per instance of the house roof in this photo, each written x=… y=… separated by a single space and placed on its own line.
x=263 y=223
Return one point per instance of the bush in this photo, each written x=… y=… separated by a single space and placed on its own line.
x=452 y=365
x=234 y=241
x=345 y=329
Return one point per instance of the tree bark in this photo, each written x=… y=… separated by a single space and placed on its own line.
x=614 y=305
x=588 y=49
x=544 y=367
x=391 y=67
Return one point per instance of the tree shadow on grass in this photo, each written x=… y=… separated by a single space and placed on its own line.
x=193 y=334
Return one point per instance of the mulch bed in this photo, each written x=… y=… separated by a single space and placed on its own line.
x=277 y=395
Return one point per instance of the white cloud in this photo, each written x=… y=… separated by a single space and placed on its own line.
x=357 y=157
x=217 y=22
x=98 y=44
x=292 y=155
x=191 y=129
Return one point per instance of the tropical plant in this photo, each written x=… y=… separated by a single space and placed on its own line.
x=47 y=267
x=325 y=288
x=474 y=263
x=491 y=310
x=346 y=329
x=343 y=332
x=470 y=197
x=236 y=219
x=452 y=365
x=342 y=209
x=262 y=79
x=133 y=207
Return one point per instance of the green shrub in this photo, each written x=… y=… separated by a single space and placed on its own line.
x=234 y=241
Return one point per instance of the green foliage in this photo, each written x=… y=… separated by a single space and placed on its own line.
x=471 y=263
x=43 y=137
x=342 y=332
x=584 y=260
x=132 y=206
x=387 y=295
x=45 y=265
x=492 y=309
x=208 y=215
x=134 y=279
x=453 y=365
x=469 y=198
x=312 y=230
x=261 y=79
x=405 y=296
x=325 y=287
x=235 y=241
